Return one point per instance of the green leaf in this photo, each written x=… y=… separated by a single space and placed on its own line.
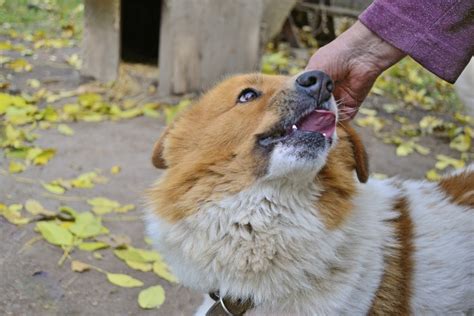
x=92 y=246
x=54 y=188
x=461 y=142
x=140 y=266
x=137 y=255
x=86 y=225
x=16 y=167
x=55 y=234
x=65 y=130
x=152 y=297
x=101 y=205
x=123 y=280
x=162 y=270
x=12 y=214
x=445 y=161
x=35 y=208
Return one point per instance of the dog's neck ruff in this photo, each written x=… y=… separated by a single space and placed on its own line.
x=269 y=244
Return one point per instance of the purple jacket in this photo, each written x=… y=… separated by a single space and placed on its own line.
x=439 y=34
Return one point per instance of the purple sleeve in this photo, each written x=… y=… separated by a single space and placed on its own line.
x=439 y=34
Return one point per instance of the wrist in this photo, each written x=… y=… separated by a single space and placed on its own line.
x=367 y=47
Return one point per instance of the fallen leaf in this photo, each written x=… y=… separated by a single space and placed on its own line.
x=86 y=225
x=33 y=83
x=35 y=208
x=137 y=255
x=54 y=188
x=65 y=130
x=152 y=297
x=140 y=266
x=12 y=214
x=404 y=149
x=433 y=175
x=19 y=65
x=445 y=161
x=78 y=266
x=162 y=270
x=16 y=167
x=92 y=246
x=98 y=255
x=125 y=208
x=55 y=234
x=44 y=157
x=101 y=205
x=462 y=142
x=123 y=280
x=115 y=169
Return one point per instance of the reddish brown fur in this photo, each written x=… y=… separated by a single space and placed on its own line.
x=459 y=188
x=393 y=295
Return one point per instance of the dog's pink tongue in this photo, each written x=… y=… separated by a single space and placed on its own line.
x=319 y=121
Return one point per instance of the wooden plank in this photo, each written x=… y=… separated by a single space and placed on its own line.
x=203 y=40
x=101 y=39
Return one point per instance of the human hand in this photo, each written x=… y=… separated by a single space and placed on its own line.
x=354 y=60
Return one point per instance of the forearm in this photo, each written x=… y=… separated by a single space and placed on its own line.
x=439 y=34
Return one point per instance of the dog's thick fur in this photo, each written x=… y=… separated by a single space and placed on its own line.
x=299 y=233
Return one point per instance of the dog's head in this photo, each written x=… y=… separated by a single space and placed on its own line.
x=253 y=128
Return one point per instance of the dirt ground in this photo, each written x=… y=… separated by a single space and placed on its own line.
x=31 y=281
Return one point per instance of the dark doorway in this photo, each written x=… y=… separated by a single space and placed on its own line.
x=140 y=30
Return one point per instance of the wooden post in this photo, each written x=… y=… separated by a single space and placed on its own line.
x=201 y=40
x=101 y=39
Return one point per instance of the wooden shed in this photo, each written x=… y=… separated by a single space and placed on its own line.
x=194 y=42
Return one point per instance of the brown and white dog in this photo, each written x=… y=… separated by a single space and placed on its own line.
x=259 y=202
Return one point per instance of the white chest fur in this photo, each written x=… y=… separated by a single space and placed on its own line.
x=270 y=244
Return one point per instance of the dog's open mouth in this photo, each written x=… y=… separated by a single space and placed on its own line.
x=316 y=121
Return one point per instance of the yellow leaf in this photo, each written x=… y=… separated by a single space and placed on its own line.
x=33 y=83
x=445 y=161
x=115 y=169
x=65 y=130
x=16 y=167
x=140 y=266
x=433 y=175
x=98 y=255
x=375 y=122
x=101 y=205
x=19 y=65
x=74 y=61
x=404 y=149
x=125 y=208
x=161 y=269
x=152 y=297
x=369 y=112
x=44 y=156
x=78 y=266
x=54 y=188
x=137 y=255
x=35 y=208
x=422 y=150
x=88 y=99
x=86 y=225
x=123 y=280
x=92 y=246
x=462 y=142
x=429 y=123
x=55 y=234
x=12 y=214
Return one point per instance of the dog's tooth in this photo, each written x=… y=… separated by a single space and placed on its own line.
x=324 y=134
x=294 y=127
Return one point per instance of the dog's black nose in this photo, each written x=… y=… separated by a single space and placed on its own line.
x=316 y=84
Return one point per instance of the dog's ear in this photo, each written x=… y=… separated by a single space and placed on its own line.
x=360 y=155
x=157 y=156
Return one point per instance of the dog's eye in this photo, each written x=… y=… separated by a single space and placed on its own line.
x=247 y=95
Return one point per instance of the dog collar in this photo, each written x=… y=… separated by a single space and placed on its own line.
x=227 y=307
